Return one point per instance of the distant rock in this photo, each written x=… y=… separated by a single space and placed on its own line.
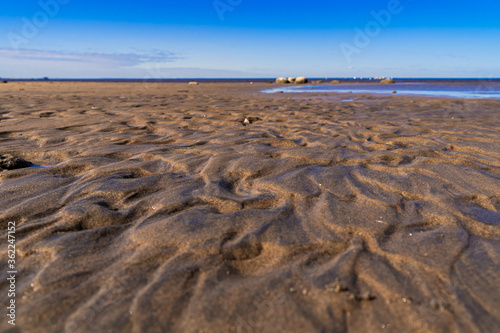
x=386 y=81
x=281 y=80
x=193 y=83
x=317 y=82
x=301 y=80
x=9 y=162
x=291 y=79
x=335 y=82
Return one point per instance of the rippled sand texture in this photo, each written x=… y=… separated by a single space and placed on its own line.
x=162 y=212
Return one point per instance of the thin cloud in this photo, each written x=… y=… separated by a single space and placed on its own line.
x=117 y=59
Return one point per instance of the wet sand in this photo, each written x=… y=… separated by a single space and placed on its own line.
x=161 y=210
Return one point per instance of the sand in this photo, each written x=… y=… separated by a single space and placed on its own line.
x=161 y=210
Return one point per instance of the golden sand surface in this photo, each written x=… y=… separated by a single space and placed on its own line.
x=161 y=210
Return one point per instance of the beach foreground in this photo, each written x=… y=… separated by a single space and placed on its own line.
x=162 y=210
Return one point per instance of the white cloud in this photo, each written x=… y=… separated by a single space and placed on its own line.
x=116 y=59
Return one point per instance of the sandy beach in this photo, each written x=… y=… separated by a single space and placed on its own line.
x=155 y=207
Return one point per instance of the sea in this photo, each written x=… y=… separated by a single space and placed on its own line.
x=451 y=88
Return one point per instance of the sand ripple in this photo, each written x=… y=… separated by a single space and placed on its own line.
x=162 y=212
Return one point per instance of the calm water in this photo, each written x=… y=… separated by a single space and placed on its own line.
x=451 y=88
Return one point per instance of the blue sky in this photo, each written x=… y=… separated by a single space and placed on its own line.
x=249 y=38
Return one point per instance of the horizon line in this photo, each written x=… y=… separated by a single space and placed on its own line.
x=246 y=78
